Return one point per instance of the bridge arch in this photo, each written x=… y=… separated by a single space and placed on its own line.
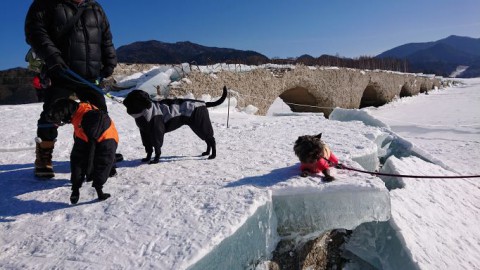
x=372 y=96
x=423 y=88
x=299 y=99
x=406 y=91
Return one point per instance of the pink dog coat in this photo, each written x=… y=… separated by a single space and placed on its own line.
x=322 y=163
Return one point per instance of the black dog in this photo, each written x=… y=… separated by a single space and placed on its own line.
x=95 y=141
x=155 y=118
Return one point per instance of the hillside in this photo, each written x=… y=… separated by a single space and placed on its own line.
x=441 y=57
x=16 y=86
x=157 y=52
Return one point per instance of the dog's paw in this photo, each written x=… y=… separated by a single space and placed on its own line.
x=328 y=178
x=104 y=196
x=212 y=156
x=118 y=157
x=113 y=172
x=155 y=160
x=75 y=196
x=205 y=153
x=147 y=158
x=304 y=174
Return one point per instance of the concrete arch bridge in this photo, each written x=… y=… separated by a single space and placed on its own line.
x=313 y=89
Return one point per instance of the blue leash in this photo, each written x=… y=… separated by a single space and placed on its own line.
x=92 y=85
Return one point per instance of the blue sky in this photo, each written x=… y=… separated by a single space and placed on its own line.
x=281 y=28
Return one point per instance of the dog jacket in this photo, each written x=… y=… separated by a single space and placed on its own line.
x=322 y=163
x=167 y=115
x=96 y=140
x=100 y=128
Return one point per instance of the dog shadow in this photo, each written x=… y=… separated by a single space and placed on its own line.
x=17 y=180
x=267 y=180
x=166 y=159
x=163 y=159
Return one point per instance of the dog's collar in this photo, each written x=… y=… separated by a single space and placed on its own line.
x=137 y=115
x=147 y=113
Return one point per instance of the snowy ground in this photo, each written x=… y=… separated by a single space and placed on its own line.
x=171 y=215
x=438 y=218
x=445 y=123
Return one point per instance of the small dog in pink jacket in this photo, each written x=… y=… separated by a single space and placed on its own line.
x=315 y=156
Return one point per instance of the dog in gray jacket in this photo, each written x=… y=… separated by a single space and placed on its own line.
x=155 y=118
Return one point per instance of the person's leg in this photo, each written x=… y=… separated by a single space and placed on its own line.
x=47 y=134
x=45 y=130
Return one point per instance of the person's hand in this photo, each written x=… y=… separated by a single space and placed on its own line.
x=106 y=72
x=100 y=82
x=57 y=71
x=56 y=67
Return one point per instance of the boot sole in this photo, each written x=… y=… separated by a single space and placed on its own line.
x=44 y=176
x=44 y=173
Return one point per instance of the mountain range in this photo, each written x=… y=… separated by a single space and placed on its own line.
x=441 y=57
x=157 y=52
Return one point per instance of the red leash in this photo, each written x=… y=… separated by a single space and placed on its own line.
x=341 y=166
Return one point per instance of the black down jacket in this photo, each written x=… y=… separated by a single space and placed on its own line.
x=87 y=48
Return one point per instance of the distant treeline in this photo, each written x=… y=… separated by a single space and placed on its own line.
x=362 y=62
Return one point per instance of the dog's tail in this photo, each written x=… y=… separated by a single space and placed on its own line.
x=220 y=100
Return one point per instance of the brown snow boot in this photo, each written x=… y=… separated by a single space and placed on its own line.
x=43 y=158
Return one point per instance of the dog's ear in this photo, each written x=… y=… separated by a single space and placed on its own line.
x=146 y=101
x=297 y=147
x=143 y=94
x=128 y=99
x=319 y=136
x=62 y=111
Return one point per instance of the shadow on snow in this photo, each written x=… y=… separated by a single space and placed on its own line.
x=163 y=159
x=18 y=179
x=269 y=179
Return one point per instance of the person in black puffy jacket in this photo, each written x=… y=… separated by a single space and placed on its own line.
x=85 y=48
